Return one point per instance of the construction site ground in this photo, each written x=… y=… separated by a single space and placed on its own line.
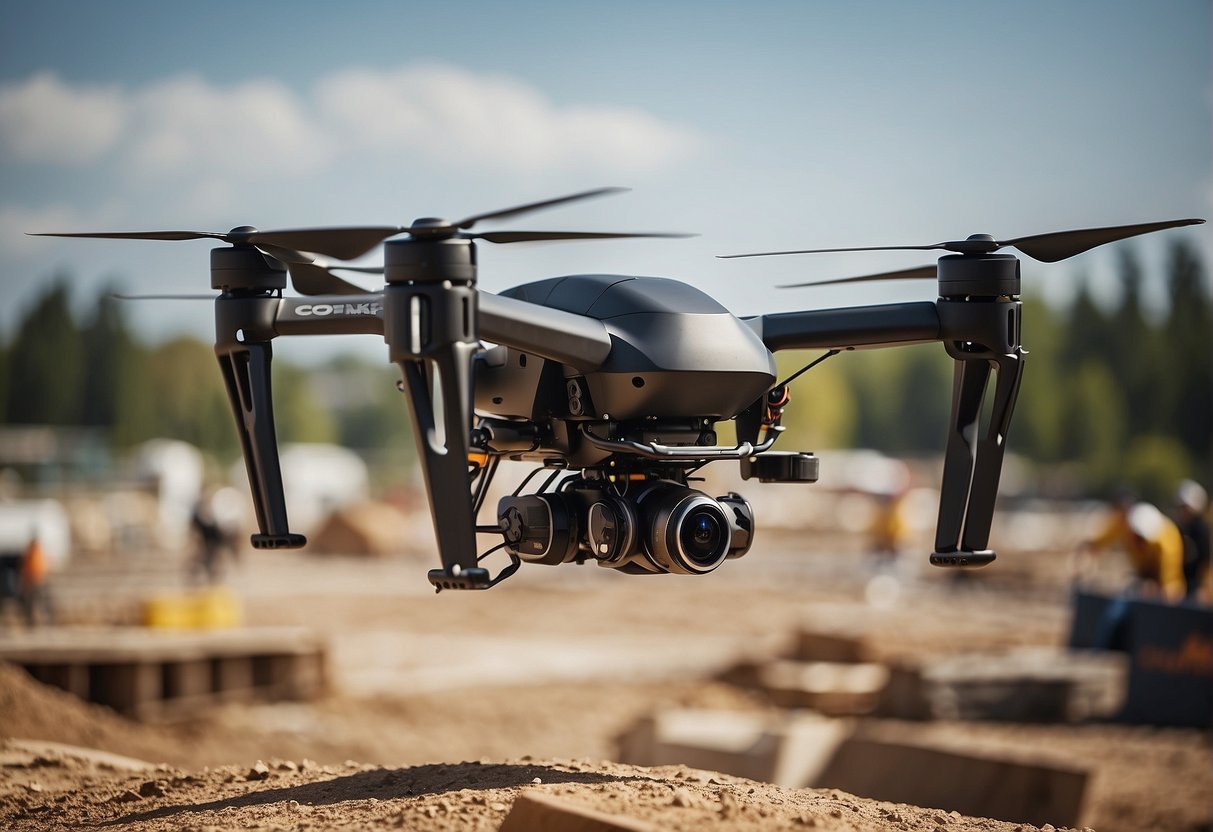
x=444 y=710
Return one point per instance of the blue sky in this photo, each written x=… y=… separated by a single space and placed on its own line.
x=759 y=125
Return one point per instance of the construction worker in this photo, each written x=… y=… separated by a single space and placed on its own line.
x=1191 y=502
x=34 y=572
x=1152 y=541
x=889 y=527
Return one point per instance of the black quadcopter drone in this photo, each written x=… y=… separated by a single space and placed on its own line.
x=612 y=385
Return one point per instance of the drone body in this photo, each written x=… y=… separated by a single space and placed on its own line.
x=612 y=385
x=676 y=354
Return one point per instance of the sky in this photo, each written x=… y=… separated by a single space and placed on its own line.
x=759 y=125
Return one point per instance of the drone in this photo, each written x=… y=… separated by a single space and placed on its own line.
x=611 y=385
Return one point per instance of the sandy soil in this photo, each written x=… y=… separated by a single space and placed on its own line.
x=533 y=681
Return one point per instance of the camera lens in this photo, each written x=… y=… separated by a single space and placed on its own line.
x=686 y=531
x=702 y=535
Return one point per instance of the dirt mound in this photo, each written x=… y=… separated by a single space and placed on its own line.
x=50 y=791
x=31 y=709
x=462 y=796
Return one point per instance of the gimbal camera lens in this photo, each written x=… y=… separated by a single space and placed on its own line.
x=686 y=530
x=702 y=534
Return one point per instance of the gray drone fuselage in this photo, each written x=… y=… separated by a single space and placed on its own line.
x=679 y=361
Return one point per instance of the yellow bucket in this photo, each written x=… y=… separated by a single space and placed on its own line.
x=208 y=609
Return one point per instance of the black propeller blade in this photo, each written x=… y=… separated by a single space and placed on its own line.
x=549 y=236
x=502 y=213
x=125 y=296
x=1048 y=248
x=916 y=273
x=310 y=273
x=304 y=250
x=354 y=241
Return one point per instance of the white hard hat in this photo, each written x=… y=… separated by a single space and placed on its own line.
x=1146 y=521
x=1190 y=495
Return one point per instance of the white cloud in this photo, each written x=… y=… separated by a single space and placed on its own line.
x=256 y=127
x=451 y=114
x=17 y=222
x=186 y=128
x=43 y=119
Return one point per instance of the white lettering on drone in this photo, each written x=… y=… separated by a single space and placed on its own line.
x=320 y=310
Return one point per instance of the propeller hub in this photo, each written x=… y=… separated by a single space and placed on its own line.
x=245 y=268
x=431 y=227
x=240 y=234
x=429 y=258
x=978 y=276
x=974 y=244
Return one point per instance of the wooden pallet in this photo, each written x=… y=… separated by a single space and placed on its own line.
x=150 y=674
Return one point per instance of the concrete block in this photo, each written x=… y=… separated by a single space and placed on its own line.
x=535 y=812
x=905 y=696
x=831 y=688
x=125 y=686
x=982 y=786
x=187 y=679
x=785 y=749
x=1026 y=685
x=232 y=677
x=848 y=645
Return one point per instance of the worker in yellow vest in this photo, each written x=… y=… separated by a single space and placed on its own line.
x=1152 y=542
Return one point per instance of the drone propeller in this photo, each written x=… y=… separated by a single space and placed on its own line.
x=311 y=274
x=915 y=273
x=354 y=241
x=126 y=296
x=304 y=250
x=1047 y=248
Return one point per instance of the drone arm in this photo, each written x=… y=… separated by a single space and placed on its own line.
x=982 y=336
x=849 y=327
x=330 y=315
x=568 y=338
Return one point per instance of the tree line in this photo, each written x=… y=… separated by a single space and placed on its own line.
x=96 y=373
x=1112 y=394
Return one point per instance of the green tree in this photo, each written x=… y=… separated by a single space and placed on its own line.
x=1036 y=431
x=1188 y=356
x=112 y=358
x=821 y=413
x=1154 y=464
x=186 y=397
x=47 y=363
x=903 y=397
x=1095 y=428
x=1131 y=349
x=298 y=415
